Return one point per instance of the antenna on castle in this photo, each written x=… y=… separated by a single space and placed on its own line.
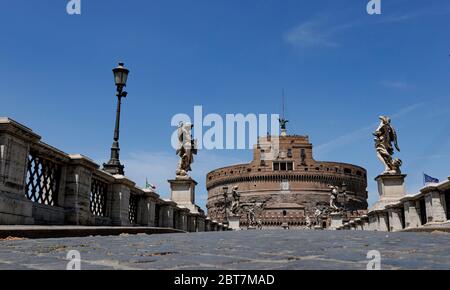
x=283 y=120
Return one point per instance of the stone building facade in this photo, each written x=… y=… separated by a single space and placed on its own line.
x=288 y=182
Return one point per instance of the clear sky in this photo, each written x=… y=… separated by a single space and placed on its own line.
x=340 y=68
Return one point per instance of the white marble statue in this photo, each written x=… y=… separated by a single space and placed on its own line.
x=235 y=202
x=187 y=148
x=333 y=199
x=385 y=140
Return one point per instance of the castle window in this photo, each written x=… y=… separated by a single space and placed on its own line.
x=289 y=153
x=347 y=171
x=276 y=166
x=289 y=166
x=283 y=166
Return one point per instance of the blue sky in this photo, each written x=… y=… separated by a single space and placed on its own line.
x=340 y=68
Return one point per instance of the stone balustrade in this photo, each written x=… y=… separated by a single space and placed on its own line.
x=430 y=208
x=41 y=185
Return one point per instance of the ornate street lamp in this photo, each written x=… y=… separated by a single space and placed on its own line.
x=120 y=78
x=225 y=202
x=344 y=195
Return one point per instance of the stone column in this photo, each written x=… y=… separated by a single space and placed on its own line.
x=358 y=224
x=412 y=218
x=434 y=202
x=383 y=221
x=184 y=220
x=373 y=222
x=120 y=200
x=146 y=207
x=208 y=224
x=214 y=226
x=395 y=219
x=15 y=141
x=176 y=217
x=201 y=223
x=365 y=223
x=192 y=222
x=78 y=189
x=166 y=213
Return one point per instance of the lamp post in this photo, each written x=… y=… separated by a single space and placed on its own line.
x=344 y=196
x=225 y=202
x=120 y=78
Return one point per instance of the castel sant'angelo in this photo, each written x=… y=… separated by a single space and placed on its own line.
x=289 y=187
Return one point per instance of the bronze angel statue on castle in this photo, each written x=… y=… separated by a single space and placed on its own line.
x=385 y=141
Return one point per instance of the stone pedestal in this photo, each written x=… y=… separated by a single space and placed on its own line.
x=183 y=193
x=336 y=220
x=234 y=223
x=391 y=189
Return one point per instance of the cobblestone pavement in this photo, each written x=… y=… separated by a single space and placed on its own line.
x=245 y=250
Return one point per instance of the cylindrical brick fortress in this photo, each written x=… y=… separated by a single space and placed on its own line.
x=289 y=182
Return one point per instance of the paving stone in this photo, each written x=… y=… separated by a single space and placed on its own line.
x=243 y=250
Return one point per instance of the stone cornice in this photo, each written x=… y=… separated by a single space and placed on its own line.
x=120 y=179
x=78 y=159
x=18 y=130
x=290 y=176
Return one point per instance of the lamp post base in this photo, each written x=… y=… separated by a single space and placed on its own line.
x=114 y=168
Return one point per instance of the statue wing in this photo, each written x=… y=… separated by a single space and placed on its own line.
x=393 y=136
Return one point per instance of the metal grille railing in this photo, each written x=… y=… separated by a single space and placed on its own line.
x=98 y=197
x=43 y=178
x=132 y=209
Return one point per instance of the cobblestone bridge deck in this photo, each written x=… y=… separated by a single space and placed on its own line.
x=243 y=250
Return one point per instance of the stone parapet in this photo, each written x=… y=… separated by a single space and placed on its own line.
x=42 y=185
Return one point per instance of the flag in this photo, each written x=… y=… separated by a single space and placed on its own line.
x=428 y=179
x=149 y=185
